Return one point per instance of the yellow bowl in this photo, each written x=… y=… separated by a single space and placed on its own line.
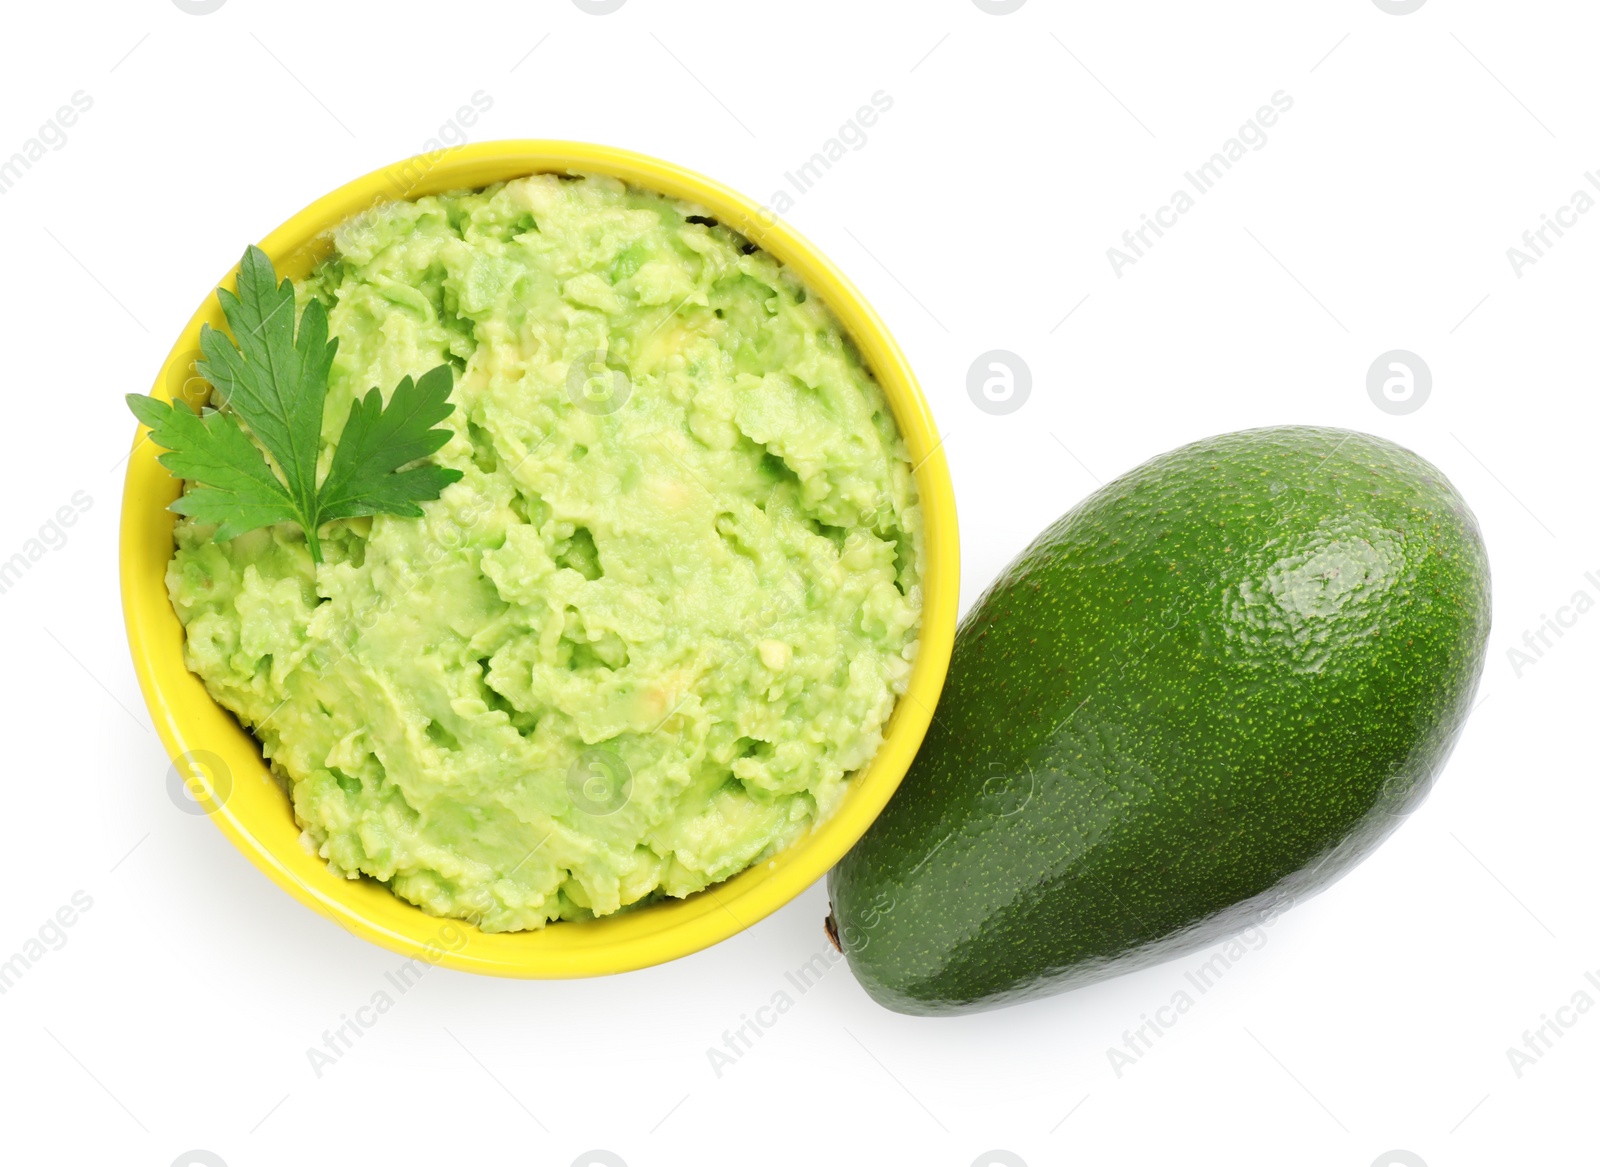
x=222 y=764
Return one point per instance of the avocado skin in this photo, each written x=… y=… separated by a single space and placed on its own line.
x=1200 y=696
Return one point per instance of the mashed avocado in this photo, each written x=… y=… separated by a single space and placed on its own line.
x=645 y=640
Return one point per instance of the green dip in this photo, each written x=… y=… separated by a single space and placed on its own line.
x=645 y=641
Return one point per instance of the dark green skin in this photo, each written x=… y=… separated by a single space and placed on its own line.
x=1204 y=694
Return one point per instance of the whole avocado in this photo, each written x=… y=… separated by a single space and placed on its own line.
x=1203 y=694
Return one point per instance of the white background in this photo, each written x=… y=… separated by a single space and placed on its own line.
x=178 y=1013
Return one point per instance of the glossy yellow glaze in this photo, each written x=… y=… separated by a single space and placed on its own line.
x=217 y=756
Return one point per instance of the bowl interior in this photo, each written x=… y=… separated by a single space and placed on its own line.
x=214 y=755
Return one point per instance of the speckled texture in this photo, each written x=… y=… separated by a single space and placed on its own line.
x=1208 y=691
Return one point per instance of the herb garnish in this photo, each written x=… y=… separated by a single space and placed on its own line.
x=276 y=383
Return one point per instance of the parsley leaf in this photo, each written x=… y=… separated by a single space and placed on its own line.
x=276 y=383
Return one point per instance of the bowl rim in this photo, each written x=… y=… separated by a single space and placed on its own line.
x=222 y=764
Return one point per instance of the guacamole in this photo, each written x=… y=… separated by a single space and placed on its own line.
x=665 y=614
